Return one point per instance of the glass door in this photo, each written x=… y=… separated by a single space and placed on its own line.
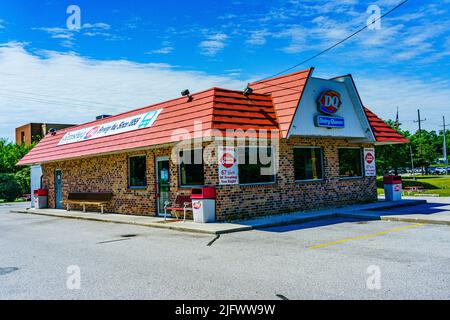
x=163 y=183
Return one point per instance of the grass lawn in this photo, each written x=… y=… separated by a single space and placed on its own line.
x=5 y=202
x=431 y=184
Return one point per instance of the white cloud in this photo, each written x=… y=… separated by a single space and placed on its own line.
x=166 y=48
x=67 y=88
x=67 y=35
x=163 y=50
x=383 y=95
x=258 y=38
x=2 y=24
x=98 y=25
x=213 y=44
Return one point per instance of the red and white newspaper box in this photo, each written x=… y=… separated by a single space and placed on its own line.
x=204 y=204
x=40 y=198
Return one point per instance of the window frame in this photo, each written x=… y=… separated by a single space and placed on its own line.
x=129 y=172
x=360 y=160
x=275 y=178
x=180 y=185
x=322 y=162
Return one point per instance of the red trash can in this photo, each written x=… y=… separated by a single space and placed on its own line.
x=204 y=204
x=40 y=198
x=392 y=188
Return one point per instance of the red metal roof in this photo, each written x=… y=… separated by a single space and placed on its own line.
x=382 y=131
x=217 y=109
x=272 y=106
x=286 y=93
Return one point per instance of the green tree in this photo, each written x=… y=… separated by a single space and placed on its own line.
x=393 y=156
x=14 y=180
x=10 y=154
x=426 y=149
x=9 y=188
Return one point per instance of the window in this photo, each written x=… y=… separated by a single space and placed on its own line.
x=191 y=167
x=137 y=169
x=256 y=165
x=22 y=137
x=350 y=162
x=308 y=164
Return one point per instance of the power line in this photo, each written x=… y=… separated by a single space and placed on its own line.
x=65 y=98
x=337 y=43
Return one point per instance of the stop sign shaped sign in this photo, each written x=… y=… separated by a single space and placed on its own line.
x=228 y=160
x=369 y=158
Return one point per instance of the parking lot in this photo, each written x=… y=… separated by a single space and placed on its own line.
x=328 y=259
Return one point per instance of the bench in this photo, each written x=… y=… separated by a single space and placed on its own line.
x=181 y=203
x=88 y=198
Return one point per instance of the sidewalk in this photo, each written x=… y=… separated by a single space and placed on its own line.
x=381 y=210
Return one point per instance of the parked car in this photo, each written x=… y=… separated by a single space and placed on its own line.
x=440 y=171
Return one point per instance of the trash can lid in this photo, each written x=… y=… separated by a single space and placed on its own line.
x=40 y=192
x=392 y=179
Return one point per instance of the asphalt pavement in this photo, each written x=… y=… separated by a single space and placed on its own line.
x=56 y=258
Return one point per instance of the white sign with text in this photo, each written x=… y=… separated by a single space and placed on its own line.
x=228 y=166
x=139 y=121
x=369 y=162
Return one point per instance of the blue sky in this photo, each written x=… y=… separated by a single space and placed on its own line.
x=128 y=54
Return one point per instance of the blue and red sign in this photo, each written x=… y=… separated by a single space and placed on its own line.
x=329 y=102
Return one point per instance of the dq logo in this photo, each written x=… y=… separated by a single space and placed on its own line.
x=329 y=102
x=197 y=205
x=92 y=132
x=227 y=160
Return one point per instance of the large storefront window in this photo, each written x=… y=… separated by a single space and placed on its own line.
x=137 y=172
x=350 y=162
x=191 y=167
x=256 y=165
x=308 y=164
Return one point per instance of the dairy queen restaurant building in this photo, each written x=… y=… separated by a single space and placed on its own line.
x=313 y=137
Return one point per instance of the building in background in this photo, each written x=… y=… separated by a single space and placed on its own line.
x=33 y=132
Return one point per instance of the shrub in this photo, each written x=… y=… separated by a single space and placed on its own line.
x=9 y=188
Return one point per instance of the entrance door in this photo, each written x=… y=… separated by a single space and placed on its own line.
x=163 y=183
x=58 y=189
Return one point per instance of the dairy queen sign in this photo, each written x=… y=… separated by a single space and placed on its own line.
x=328 y=103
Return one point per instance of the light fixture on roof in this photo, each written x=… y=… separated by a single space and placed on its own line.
x=186 y=93
x=52 y=131
x=248 y=91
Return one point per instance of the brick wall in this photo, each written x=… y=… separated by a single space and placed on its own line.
x=287 y=195
x=110 y=173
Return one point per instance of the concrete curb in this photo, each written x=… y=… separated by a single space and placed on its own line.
x=363 y=214
x=149 y=224
x=416 y=220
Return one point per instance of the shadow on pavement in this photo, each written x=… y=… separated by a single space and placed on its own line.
x=312 y=224
x=428 y=208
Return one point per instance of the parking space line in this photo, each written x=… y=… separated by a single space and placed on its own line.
x=321 y=245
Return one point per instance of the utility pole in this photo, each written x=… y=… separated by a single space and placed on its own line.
x=412 y=161
x=444 y=147
x=419 y=121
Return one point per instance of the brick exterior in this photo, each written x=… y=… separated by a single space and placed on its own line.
x=110 y=173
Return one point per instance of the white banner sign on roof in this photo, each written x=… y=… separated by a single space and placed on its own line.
x=139 y=121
